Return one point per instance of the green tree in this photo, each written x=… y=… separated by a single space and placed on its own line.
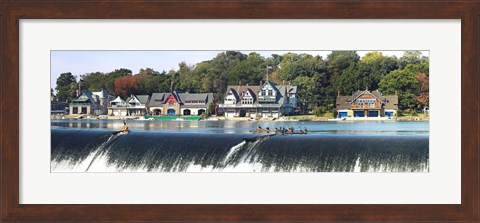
x=248 y=71
x=411 y=57
x=374 y=66
x=93 y=81
x=148 y=81
x=405 y=84
x=215 y=78
x=420 y=67
x=308 y=73
x=354 y=78
x=66 y=87
x=336 y=63
x=307 y=89
x=295 y=65
x=211 y=108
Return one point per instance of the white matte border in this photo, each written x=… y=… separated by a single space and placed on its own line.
x=442 y=185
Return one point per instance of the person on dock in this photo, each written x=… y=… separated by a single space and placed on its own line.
x=305 y=130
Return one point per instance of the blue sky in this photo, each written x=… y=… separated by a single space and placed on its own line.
x=81 y=62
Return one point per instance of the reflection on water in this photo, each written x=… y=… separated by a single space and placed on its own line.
x=242 y=127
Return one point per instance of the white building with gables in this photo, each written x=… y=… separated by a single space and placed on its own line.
x=268 y=100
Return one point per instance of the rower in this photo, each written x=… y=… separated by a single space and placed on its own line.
x=124 y=128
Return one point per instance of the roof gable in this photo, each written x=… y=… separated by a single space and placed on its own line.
x=365 y=92
x=118 y=100
x=271 y=84
x=388 y=101
x=86 y=97
x=171 y=98
x=157 y=99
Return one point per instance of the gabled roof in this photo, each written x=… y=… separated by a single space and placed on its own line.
x=274 y=86
x=157 y=99
x=235 y=93
x=187 y=97
x=85 y=97
x=118 y=100
x=252 y=94
x=388 y=101
x=343 y=102
x=253 y=90
x=357 y=94
x=142 y=98
x=290 y=89
x=391 y=101
x=176 y=94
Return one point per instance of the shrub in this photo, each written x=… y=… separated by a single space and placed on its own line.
x=319 y=110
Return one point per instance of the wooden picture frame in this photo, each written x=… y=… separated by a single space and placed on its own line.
x=12 y=11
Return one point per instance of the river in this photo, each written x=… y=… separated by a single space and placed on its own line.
x=229 y=146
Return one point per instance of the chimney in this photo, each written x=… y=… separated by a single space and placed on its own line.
x=395 y=92
x=76 y=92
x=338 y=93
x=261 y=83
x=366 y=88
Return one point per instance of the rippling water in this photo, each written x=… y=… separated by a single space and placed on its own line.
x=228 y=146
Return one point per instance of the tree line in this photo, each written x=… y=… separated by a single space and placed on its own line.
x=319 y=80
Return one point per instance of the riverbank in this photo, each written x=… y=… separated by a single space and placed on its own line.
x=325 y=118
x=311 y=118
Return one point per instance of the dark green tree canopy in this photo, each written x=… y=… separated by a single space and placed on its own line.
x=66 y=87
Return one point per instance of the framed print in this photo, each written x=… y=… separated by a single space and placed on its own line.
x=239 y=111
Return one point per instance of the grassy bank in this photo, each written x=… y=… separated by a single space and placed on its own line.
x=324 y=117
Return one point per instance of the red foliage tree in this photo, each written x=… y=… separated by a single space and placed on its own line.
x=126 y=86
x=423 y=82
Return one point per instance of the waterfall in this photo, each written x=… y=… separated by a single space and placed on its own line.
x=150 y=151
x=99 y=151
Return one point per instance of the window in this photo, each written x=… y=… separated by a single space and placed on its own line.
x=248 y=101
x=362 y=102
x=263 y=93
x=270 y=92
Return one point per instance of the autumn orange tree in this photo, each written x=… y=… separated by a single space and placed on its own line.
x=126 y=86
x=423 y=85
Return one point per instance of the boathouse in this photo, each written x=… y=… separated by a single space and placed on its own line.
x=267 y=100
x=180 y=103
x=367 y=105
x=135 y=105
x=90 y=103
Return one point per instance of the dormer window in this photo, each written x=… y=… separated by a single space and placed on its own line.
x=270 y=92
